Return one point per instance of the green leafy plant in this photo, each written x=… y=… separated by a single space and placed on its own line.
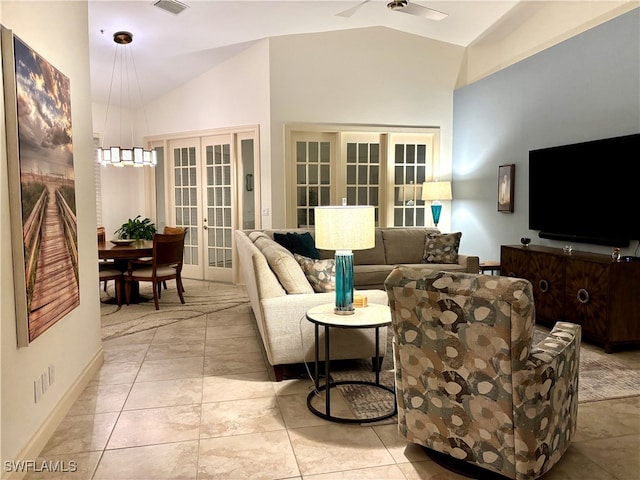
x=137 y=229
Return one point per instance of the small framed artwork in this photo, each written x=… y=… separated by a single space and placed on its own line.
x=506 y=177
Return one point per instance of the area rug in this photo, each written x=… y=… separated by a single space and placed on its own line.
x=200 y=298
x=601 y=377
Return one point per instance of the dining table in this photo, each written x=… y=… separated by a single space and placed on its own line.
x=120 y=252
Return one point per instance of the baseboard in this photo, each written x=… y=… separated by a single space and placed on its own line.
x=40 y=438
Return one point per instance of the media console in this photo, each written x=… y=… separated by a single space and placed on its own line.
x=590 y=289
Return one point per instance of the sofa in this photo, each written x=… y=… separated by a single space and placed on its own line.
x=280 y=291
x=472 y=387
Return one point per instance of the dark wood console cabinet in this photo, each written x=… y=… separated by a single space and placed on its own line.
x=589 y=289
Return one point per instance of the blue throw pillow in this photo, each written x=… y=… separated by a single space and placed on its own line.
x=283 y=240
x=303 y=244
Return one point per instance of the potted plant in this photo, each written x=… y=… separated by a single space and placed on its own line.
x=137 y=229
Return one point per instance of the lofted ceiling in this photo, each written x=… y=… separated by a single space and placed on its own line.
x=169 y=49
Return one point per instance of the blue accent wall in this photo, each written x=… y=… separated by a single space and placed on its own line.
x=585 y=88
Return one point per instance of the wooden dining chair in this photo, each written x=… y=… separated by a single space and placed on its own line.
x=107 y=274
x=166 y=264
x=173 y=231
x=104 y=266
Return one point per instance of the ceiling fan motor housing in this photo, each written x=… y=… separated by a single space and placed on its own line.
x=396 y=4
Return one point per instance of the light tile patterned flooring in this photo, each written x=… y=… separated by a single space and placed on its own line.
x=193 y=400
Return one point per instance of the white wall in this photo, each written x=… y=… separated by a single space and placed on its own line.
x=234 y=93
x=72 y=344
x=366 y=76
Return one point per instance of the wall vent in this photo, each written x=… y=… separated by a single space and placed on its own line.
x=171 y=6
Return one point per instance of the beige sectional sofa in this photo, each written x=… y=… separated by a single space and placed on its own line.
x=280 y=293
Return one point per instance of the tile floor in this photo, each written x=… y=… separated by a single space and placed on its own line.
x=193 y=400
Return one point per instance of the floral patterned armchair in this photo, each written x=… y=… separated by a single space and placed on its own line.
x=469 y=382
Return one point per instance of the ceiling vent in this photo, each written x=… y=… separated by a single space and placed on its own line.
x=171 y=6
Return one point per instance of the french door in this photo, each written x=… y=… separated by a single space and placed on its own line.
x=384 y=169
x=212 y=192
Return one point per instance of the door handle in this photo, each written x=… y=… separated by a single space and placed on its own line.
x=205 y=227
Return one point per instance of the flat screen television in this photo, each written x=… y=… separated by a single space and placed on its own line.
x=587 y=192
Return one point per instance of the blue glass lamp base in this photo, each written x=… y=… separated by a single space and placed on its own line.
x=435 y=213
x=344 y=283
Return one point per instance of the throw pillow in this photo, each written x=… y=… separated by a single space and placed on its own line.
x=283 y=240
x=303 y=244
x=281 y=261
x=442 y=247
x=321 y=274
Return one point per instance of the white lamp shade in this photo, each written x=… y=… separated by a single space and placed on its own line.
x=436 y=191
x=349 y=227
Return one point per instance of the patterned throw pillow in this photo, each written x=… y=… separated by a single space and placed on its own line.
x=320 y=273
x=442 y=247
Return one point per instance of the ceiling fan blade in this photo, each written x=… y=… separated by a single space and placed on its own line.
x=420 y=11
x=350 y=11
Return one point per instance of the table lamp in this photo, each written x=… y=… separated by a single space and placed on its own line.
x=436 y=191
x=343 y=229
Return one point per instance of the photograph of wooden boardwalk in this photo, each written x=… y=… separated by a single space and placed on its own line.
x=47 y=200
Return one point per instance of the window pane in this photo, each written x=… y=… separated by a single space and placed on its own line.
x=374 y=175
x=302 y=217
x=398 y=176
x=374 y=154
x=408 y=217
x=302 y=196
x=325 y=174
x=362 y=196
x=325 y=196
x=351 y=153
x=313 y=196
x=363 y=153
x=351 y=174
x=421 y=154
x=325 y=152
x=313 y=153
x=301 y=151
x=351 y=196
x=362 y=174
x=301 y=174
x=373 y=194
x=399 y=153
x=313 y=174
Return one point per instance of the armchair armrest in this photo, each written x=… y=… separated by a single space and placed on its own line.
x=546 y=399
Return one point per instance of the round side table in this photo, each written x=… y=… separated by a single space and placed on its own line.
x=371 y=316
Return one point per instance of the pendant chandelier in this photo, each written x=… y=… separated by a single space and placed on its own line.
x=120 y=156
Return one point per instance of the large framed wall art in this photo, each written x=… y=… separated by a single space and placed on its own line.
x=41 y=188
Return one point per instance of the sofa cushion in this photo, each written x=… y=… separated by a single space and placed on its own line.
x=371 y=276
x=442 y=247
x=286 y=268
x=320 y=273
x=404 y=245
x=371 y=256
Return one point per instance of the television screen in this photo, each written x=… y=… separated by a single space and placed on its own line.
x=586 y=192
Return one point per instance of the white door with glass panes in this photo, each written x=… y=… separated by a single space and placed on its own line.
x=384 y=169
x=364 y=157
x=203 y=176
x=411 y=162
